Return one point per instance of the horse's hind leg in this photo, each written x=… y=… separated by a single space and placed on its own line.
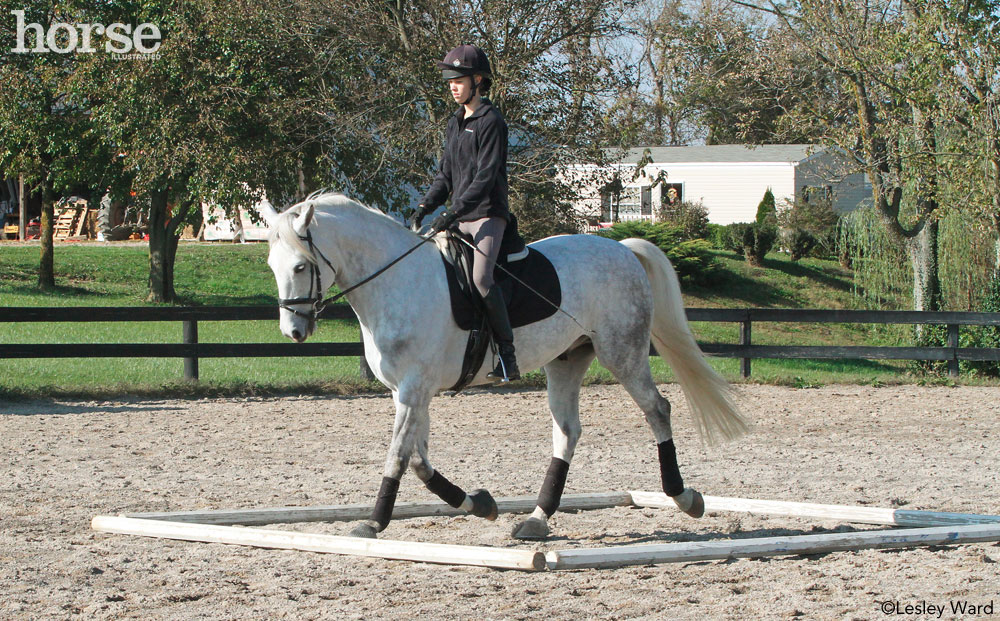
x=630 y=366
x=564 y=377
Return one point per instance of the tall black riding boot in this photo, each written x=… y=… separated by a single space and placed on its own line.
x=496 y=315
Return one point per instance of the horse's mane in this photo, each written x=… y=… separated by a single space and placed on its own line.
x=323 y=201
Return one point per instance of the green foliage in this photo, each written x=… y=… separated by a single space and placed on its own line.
x=664 y=235
x=798 y=242
x=755 y=239
x=691 y=216
x=807 y=225
x=718 y=236
x=882 y=273
x=691 y=258
x=984 y=336
x=767 y=212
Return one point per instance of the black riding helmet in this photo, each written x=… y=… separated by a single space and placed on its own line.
x=466 y=60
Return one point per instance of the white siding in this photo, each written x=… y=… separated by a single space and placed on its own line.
x=731 y=191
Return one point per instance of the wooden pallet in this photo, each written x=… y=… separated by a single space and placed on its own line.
x=65 y=224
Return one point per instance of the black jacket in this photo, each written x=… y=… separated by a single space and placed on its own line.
x=473 y=168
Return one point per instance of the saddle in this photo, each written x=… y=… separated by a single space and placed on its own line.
x=518 y=268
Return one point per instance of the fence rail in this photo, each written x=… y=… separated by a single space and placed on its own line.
x=191 y=350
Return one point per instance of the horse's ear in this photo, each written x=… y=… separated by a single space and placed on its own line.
x=304 y=218
x=267 y=211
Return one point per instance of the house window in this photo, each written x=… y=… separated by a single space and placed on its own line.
x=672 y=194
x=620 y=204
x=630 y=204
x=817 y=193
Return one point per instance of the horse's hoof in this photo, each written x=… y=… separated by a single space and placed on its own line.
x=364 y=530
x=483 y=505
x=695 y=503
x=531 y=528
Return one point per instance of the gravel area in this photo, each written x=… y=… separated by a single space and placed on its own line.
x=916 y=447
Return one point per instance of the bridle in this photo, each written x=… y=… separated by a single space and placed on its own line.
x=315 y=297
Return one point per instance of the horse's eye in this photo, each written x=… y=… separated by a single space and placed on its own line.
x=300 y=267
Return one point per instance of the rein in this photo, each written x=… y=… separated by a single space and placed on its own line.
x=315 y=300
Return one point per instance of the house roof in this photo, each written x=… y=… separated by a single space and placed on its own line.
x=724 y=153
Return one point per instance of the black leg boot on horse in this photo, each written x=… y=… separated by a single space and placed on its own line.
x=496 y=314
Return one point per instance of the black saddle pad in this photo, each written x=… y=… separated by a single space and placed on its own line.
x=524 y=306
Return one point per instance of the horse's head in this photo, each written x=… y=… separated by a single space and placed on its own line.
x=300 y=277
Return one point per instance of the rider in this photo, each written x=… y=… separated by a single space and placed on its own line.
x=473 y=170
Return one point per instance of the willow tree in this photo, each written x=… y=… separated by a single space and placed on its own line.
x=885 y=61
x=967 y=35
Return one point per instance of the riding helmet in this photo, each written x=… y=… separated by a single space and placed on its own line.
x=465 y=60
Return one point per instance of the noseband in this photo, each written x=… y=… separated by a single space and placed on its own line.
x=315 y=297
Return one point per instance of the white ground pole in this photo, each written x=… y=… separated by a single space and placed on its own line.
x=648 y=554
x=840 y=513
x=217 y=526
x=402 y=510
x=482 y=556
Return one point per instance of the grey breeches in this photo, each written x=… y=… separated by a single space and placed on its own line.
x=486 y=235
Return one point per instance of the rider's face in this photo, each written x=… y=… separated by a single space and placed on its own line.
x=460 y=88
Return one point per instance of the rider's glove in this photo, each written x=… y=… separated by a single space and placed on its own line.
x=443 y=221
x=418 y=216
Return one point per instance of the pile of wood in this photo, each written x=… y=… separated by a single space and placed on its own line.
x=74 y=220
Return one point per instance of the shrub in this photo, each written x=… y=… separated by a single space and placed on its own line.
x=721 y=236
x=984 y=336
x=809 y=225
x=691 y=216
x=798 y=242
x=755 y=239
x=767 y=212
x=692 y=258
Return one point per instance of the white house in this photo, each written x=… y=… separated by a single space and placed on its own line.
x=729 y=180
x=219 y=227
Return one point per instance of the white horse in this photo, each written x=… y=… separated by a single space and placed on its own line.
x=616 y=296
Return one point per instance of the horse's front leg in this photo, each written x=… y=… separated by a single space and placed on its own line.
x=411 y=426
x=409 y=446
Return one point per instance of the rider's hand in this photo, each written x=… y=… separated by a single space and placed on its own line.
x=443 y=221
x=418 y=217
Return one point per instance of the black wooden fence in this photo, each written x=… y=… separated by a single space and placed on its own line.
x=191 y=350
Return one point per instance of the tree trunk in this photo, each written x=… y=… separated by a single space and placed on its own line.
x=46 y=273
x=161 y=277
x=923 y=252
x=165 y=228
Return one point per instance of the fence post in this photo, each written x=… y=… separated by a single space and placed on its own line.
x=953 y=344
x=22 y=210
x=745 y=340
x=191 y=338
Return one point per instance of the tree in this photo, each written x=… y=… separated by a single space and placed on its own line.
x=883 y=59
x=384 y=130
x=767 y=212
x=216 y=115
x=46 y=132
x=967 y=35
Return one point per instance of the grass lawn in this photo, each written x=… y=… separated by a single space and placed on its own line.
x=237 y=274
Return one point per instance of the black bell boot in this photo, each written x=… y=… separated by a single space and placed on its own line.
x=496 y=315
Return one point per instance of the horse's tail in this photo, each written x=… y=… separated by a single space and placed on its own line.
x=716 y=416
